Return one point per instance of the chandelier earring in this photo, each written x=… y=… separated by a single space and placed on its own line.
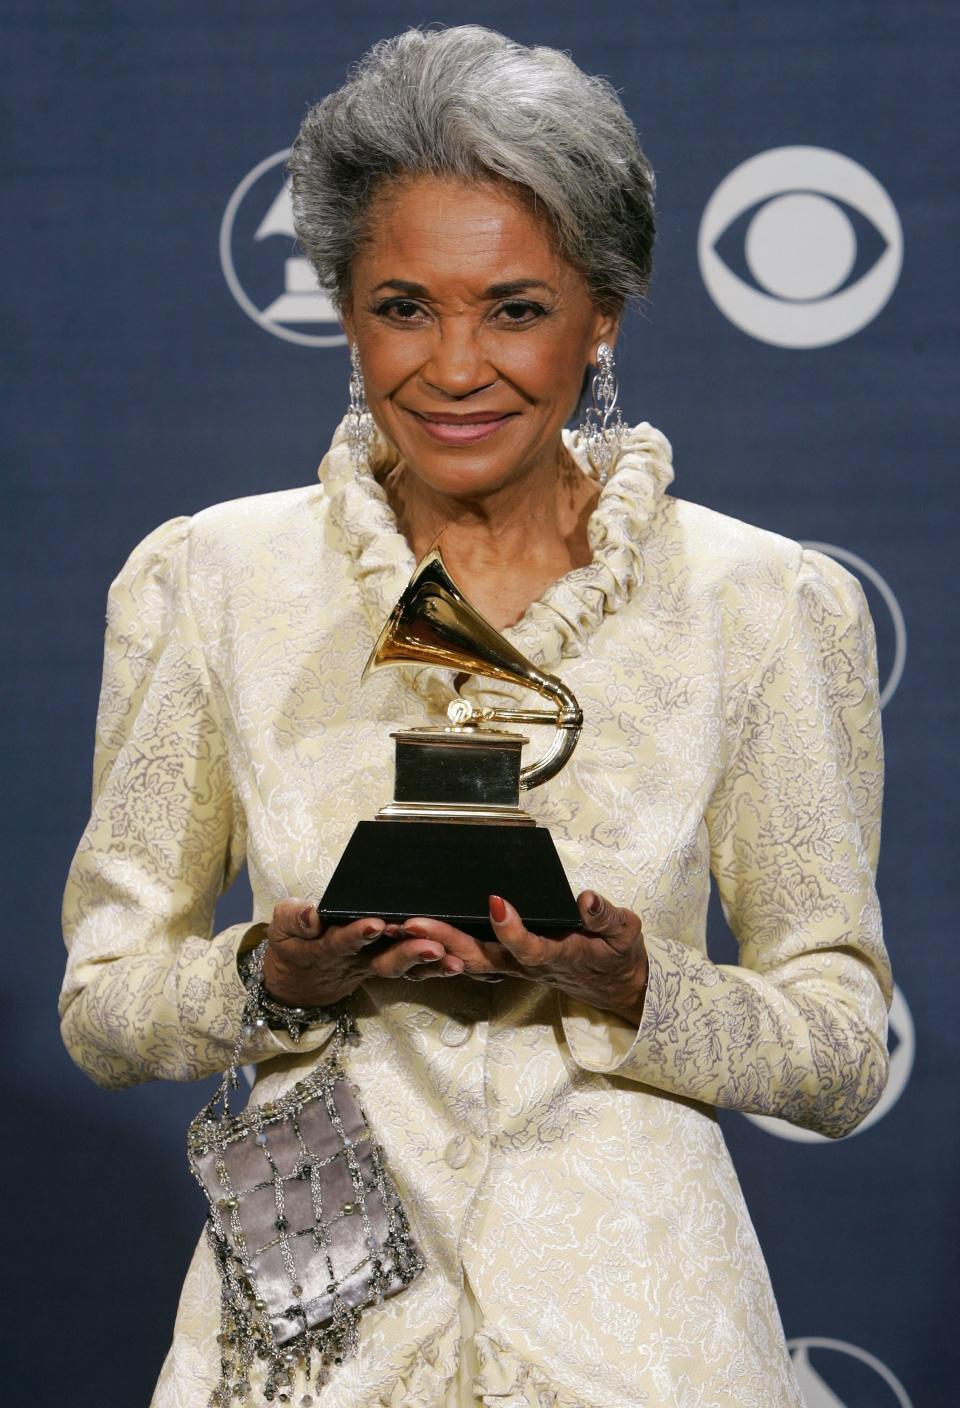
x=360 y=421
x=602 y=426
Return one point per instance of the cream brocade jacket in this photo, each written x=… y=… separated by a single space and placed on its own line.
x=567 y=1163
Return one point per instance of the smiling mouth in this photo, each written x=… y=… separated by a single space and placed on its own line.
x=466 y=429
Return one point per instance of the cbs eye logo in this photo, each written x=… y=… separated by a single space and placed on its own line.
x=801 y=247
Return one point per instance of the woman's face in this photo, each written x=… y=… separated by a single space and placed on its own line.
x=473 y=333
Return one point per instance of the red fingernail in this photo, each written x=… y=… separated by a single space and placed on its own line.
x=371 y=931
x=595 y=905
x=498 y=910
x=409 y=933
x=427 y=957
x=306 y=917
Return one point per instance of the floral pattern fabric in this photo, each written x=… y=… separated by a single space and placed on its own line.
x=563 y=1169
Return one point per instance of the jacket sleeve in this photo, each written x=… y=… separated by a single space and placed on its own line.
x=148 y=992
x=798 y=1028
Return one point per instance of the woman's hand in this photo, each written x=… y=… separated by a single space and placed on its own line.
x=604 y=963
x=307 y=965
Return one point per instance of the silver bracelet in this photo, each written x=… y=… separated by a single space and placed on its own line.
x=262 y=1010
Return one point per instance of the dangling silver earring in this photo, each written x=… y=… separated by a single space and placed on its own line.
x=602 y=426
x=360 y=425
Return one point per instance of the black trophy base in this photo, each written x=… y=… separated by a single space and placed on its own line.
x=395 y=870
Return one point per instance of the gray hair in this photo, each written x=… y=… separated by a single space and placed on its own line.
x=469 y=103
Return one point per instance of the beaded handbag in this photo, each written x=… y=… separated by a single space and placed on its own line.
x=305 y=1224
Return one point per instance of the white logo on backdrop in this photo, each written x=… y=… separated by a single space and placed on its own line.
x=294 y=297
x=815 y=1389
x=800 y=246
x=901 y=1064
x=850 y=559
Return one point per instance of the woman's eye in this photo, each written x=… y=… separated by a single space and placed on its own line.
x=515 y=312
x=402 y=310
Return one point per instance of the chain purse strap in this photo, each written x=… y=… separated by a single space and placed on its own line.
x=260 y=1012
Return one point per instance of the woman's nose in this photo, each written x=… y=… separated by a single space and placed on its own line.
x=457 y=365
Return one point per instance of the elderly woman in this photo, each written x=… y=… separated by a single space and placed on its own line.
x=482 y=213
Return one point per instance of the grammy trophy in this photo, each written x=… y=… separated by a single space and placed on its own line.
x=455 y=829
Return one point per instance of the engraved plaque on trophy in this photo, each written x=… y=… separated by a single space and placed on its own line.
x=455 y=830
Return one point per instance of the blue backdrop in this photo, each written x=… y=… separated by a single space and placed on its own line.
x=163 y=351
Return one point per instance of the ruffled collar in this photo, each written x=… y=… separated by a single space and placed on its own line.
x=556 y=626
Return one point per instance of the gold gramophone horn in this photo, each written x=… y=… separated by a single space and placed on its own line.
x=434 y=624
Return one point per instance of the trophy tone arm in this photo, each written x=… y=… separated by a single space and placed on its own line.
x=434 y=624
x=567 y=718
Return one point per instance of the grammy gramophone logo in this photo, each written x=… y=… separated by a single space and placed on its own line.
x=836 y=1374
x=273 y=284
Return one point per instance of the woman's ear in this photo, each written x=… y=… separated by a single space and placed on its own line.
x=606 y=328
